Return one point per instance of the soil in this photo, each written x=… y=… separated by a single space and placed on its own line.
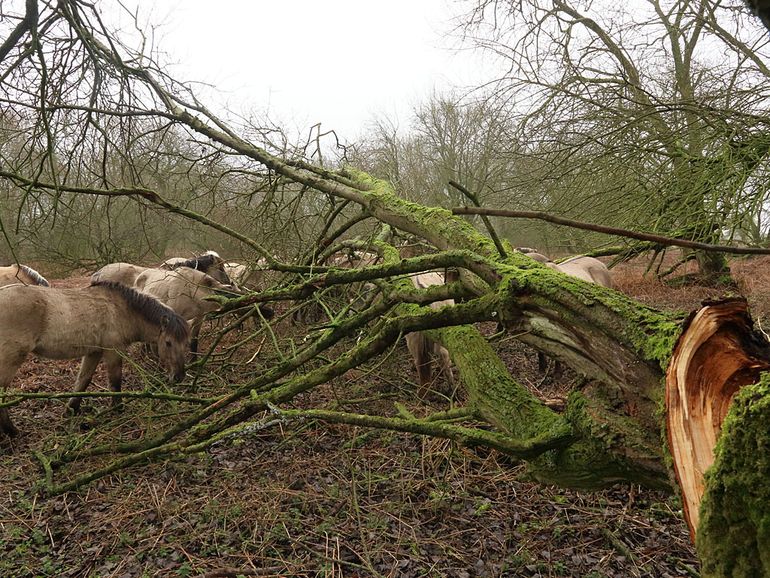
x=305 y=498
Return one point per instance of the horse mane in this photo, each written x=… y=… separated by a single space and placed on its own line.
x=148 y=307
x=202 y=263
x=36 y=277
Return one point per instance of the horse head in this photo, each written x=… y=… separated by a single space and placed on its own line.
x=173 y=343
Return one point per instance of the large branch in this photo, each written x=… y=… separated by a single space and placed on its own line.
x=27 y=24
x=658 y=239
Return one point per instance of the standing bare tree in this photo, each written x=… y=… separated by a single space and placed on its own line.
x=635 y=115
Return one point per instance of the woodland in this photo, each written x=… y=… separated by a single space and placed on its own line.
x=637 y=134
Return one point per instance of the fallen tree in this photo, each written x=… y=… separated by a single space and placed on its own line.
x=659 y=385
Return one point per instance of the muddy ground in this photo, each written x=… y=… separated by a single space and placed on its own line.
x=311 y=499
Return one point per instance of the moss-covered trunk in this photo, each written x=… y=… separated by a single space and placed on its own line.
x=612 y=428
x=733 y=538
x=604 y=442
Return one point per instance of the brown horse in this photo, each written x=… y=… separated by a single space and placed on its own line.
x=94 y=323
x=127 y=273
x=21 y=274
x=184 y=290
x=424 y=349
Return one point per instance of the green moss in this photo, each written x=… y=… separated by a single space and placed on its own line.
x=733 y=538
x=438 y=225
x=650 y=332
x=610 y=448
x=501 y=400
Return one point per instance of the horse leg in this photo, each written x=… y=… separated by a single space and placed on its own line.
x=417 y=344
x=114 y=362
x=542 y=365
x=87 y=368
x=445 y=364
x=6 y=425
x=195 y=331
x=542 y=362
x=10 y=365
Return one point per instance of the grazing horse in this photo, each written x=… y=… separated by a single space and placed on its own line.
x=585 y=268
x=184 y=290
x=582 y=267
x=424 y=349
x=21 y=274
x=94 y=323
x=210 y=263
x=354 y=294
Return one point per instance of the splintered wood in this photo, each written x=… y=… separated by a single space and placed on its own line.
x=717 y=354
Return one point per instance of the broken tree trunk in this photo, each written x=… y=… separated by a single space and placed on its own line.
x=639 y=360
x=733 y=538
x=718 y=354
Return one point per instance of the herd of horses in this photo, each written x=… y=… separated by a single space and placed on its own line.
x=164 y=307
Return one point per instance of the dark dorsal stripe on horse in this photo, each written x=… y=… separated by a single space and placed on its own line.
x=148 y=307
x=202 y=263
x=36 y=277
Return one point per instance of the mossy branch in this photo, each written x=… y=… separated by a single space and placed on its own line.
x=20 y=396
x=465 y=436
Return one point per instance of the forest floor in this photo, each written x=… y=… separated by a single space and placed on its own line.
x=312 y=499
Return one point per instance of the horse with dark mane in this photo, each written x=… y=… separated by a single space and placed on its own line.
x=96 y=323
x=21 y=274
x=185 y=291
x=210 y=263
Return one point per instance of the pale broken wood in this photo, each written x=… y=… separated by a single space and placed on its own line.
x=718 y=353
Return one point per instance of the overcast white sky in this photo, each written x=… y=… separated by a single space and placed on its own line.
x=339 y=62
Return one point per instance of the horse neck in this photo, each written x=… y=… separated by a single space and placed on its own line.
x=146 y=331
x=135 y=325
x=18 y=273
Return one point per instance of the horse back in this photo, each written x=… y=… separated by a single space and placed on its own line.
x=430 y=279
x=587 y=268
x=64 y=323
x=123 y=273
x=183 y=289
x=21 y=274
